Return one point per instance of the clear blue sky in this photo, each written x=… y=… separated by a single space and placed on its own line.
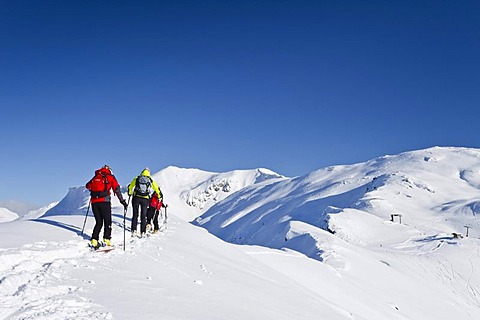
x=292 y=86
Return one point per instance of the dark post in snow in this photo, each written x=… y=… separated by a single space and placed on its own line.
x=393 y=215
x=466 y=235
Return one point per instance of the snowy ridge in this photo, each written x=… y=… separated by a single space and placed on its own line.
x=75 y=202
x=7 y=215
x=191 y=191
x=18 y=207
x=436 y=184
x=34 y=214
x=221 y=185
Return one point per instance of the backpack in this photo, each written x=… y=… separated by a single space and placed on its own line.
x=99 y=186
x=142 y=186
x=155 y=201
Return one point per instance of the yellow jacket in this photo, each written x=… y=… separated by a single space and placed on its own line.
x=131 y=186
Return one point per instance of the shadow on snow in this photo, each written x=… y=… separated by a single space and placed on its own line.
x=78 y=229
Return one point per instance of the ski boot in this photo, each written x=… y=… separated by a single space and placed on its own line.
x=94 y=244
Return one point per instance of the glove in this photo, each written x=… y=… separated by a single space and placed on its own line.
x=124 y=203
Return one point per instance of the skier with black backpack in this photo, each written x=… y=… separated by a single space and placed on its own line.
x=100 y=186
x=141 y=188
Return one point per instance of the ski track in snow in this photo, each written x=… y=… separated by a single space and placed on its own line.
x=474 y=291
x=429 y=258
x=35 y=281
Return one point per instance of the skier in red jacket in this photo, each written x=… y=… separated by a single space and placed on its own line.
x=100 y=186
x=156 y=203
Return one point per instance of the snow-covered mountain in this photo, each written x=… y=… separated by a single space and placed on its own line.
x=319 y=246
x=436 y=191
x=194 y=191
x=190 y=191
x=18 y=207
x=7 y=215
x=76 y=202
x=34 y=214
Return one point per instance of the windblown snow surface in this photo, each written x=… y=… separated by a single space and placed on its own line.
x=252 y=244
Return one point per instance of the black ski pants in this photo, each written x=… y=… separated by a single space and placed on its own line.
x=152 y=213
x=102 y=211
x=142 y=203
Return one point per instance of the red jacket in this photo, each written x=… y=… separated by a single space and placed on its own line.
x=111 y=184
x=155 y=202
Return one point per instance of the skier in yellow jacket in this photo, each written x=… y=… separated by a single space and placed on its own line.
x=141 y=188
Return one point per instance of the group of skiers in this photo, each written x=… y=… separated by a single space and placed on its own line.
x=140 y=190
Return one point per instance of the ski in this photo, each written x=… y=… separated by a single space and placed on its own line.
x=101 y=248
x=104 y=249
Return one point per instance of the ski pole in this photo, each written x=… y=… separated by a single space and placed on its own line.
x=84 y=222
x=166 y=214
x=124 y=227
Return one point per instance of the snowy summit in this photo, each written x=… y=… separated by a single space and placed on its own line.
x=395 y=237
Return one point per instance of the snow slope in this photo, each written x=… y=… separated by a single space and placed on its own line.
x=435 y=190
x=7 y=215
x=321 y=246
x=342 y=216
x=183 y=273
